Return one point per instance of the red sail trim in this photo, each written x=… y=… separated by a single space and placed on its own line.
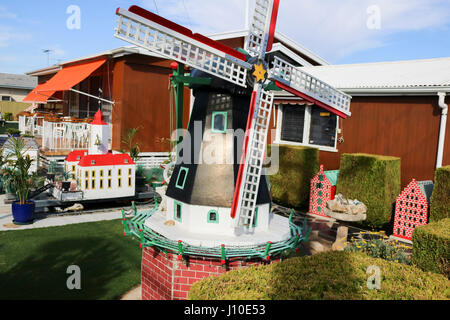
x=273 y=24
x=244 y=156
x=185 y=31
x=310 y=99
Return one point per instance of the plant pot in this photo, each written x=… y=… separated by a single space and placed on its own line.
x=66 y=186
x=51 y=176
x=23 y=213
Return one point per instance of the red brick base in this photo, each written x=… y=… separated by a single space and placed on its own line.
x=165 y=277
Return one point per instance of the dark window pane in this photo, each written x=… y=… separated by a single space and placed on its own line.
x=219 y=122
x=323 y=127
x=293 y=123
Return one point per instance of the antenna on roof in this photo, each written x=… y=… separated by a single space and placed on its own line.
x=47 y=52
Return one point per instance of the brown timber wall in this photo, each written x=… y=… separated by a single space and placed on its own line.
x=405 y=127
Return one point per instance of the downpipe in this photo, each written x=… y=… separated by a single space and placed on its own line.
x=442 y=129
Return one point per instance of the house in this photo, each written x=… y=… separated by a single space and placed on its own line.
x=132 y=88
x=13 y=89
x=411 y=208
x=398 y=109
x=100 y=173
x=323 y=189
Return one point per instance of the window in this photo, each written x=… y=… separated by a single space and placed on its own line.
x=178 y=211
x=130 y=172
x=73 y=168
x=213 y=216
x=109 y=183
x=219 y=122
x=255 y=219
x=109 y=173
x=119 y=172
x=101 y=184
x=129 y=181
x=93 y=184
x=308 y=125
x=86 y=185
x=182 y=176
x=101 y=173
x=87 y=174
x=119 y=183
x=7 y=98
x=93 y=174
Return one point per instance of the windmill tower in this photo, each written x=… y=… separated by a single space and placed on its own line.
x=220 y=211
x=99 y=135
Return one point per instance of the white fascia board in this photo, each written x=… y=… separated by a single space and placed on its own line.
x=291 y=54
x=423 y=91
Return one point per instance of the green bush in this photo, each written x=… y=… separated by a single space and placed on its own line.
x=440 y=199
x=373 y=180
x=327 y=276
x=8 y=116
x=431 y=247
x=297 y=166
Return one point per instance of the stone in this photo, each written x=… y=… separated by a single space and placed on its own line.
x=169 y=223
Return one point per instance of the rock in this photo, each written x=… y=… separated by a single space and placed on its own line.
x=316 y=246
x=75 y=207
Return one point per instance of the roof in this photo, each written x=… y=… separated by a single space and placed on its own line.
x=99 y=119
x=332 y=176
x=102 y=160
x=427 y=188
x=413 y=76
x=17 y=81
x=76 y=155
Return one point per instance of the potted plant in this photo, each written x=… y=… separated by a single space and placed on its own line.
x=66 y=175
x=52 y=169
x=21 y=180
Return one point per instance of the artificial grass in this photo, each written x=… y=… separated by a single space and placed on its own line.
x=440 y=199
x=297 y=166
x=373 y=180
x=33 y=263
x=326 y=276
x=431 y=247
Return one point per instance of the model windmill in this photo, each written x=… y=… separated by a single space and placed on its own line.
x=223 y=209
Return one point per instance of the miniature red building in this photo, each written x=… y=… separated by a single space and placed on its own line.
x=323 y=189
x=411 y=208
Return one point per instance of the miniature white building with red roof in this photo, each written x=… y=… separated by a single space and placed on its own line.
x=100 y=173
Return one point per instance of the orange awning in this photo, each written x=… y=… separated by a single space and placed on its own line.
x=37 y=95
x=70 y=76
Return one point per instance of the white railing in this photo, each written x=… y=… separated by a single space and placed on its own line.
x=31 y=125
x=153 y=159
x=58 y=136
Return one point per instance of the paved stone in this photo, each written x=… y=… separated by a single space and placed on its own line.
x=6 y=219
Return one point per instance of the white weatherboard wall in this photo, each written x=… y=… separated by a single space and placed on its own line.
x=91 y=174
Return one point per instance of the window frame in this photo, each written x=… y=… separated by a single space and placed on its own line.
x=225 y=114
x=306 y=131
x=177 y=184
x=217 y=216
x=176 y=204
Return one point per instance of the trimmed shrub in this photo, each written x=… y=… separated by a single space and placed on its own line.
x=440 y=199
x=431 y=247
x=373 y=180
x=297 y=166
x=335 y=275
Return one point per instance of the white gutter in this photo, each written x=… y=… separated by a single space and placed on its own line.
x=442 y=129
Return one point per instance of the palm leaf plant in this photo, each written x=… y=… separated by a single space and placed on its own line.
x=128 y=140
x=19 y=167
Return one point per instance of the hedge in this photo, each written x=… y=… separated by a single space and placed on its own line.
x=431 y=247
x=440 y=199
x=335 y=275
x=297 y=166
x=374 y=180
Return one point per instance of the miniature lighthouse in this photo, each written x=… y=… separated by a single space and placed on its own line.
x=99 y=135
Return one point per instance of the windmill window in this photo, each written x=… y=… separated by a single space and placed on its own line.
x=219 y=122
x=213 y=216
x=178 y=214
x=182 y=177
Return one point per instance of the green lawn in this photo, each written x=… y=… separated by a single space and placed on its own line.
x=33 y=263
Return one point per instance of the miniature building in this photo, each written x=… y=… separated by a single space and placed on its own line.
x=100 y=173
x=411 y=208
x=323 y=189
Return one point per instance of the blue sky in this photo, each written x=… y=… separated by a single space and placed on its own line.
x=340 y=31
